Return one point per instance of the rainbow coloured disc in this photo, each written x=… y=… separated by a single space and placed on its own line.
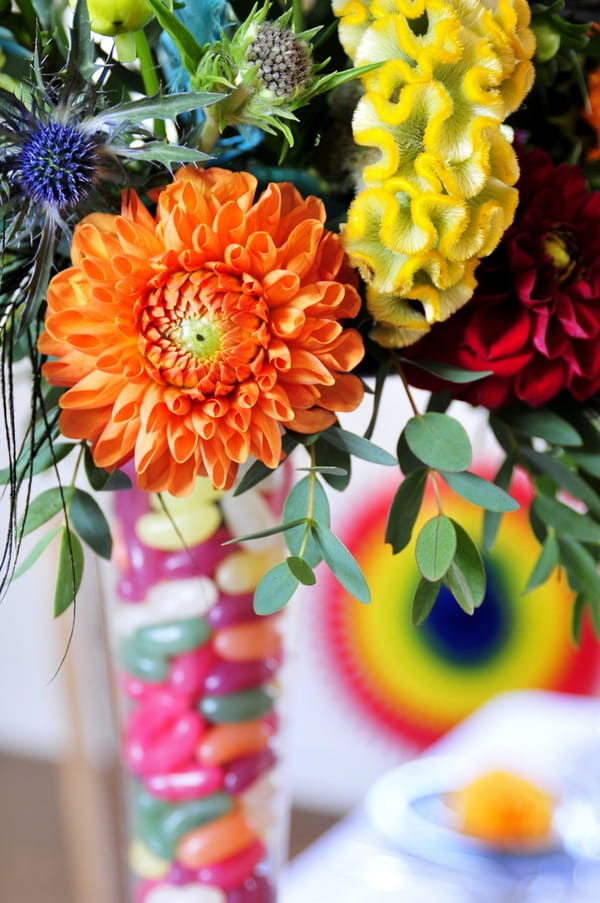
x=420 y=682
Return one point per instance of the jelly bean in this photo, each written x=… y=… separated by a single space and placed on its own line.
x=188 y=672
x=172 y=637
x=145 y=863
x=147 y=805
x=136 y=688
x=231 y=610
x=161 y=735
x=231 y=871
x=174 y=599
x=186 y=783
x=241 y=773
x=251 y=513
x=180 y=875
x=218 y=840
x=191 y=893
x=247 y=642
x=261 y=800
x=255 y=889
x=227 y=677
x=143 y=888
x=151 y=668
x=242 y=571
x=192 y=526
x=244 y=705
x=199 y=560
x=203 y=491
x=185 y=817
x=227 y=742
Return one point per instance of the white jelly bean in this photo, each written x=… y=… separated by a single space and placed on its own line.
x=190 y=893
x=250 y=513
x=168 y=600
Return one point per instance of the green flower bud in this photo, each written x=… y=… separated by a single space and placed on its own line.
x=547 y=41
x=113 y=17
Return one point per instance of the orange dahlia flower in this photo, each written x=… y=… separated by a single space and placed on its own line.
x=188 y=339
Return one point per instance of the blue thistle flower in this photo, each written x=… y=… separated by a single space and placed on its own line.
x=57 y=164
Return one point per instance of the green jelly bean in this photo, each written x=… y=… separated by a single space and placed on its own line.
x=148 y=806
x=172 y=637
x=161 y=832
x=241 y=706
x=153 y=668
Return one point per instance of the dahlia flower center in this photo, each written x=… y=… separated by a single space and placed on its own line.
x=201 y=336
x=561 y=248
x=203 y=332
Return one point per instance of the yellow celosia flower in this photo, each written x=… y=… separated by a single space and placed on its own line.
x=439 y=197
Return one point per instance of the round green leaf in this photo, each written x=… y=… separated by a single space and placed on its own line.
x=274 y=590
x=435 y=548
x=439 y=441
x=424 y=600
x=297 y=506
x=404 y=510
x=301 y=570
x=481 y=492
x=466 y=577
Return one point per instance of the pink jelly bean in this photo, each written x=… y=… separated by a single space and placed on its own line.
x=199 y=560
x=143 y=888
x=137 y=689
x=188 y=671
x=231 y=872
x=180 y=875
x=231 y=610
x=255 y=889
x=241 y=773
x=187 y=783
x=228 y=677
x=161 y=734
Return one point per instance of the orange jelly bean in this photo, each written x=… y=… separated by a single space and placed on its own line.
x=227 y=742
x=215 y=841
x=248 y=641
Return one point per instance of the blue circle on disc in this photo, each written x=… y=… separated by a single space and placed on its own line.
x=469 y=640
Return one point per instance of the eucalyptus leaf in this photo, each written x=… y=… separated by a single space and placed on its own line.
x=543 y=423
x=424 y=599
x=44 y=507
x=89 y=521
x=580 y=565
x=564 y=478
x=566 y=520
x=37 y=550
x=481 y=492
x=268 y=531
x=334 y=463
x=407 y=461
x=275 y=589
x=547 y=561
x=439 y=401
x=449 y=372
x=492 y=519
x=301 y=570
x=435 y=547
x=341 y=563
x=405 y=509
x=358 y=446
x=466 y=578
x=298 y=506
x=579 y=607
x=381 y=376
x=70 y=571
x=439 y=441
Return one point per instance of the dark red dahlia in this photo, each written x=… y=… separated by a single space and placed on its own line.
x=534 y=319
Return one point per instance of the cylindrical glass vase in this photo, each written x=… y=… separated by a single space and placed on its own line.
x=199 y=685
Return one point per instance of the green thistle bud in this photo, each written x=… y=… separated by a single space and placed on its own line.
x=283 y=61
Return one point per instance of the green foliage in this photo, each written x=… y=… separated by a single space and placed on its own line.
x=436 y=547
x=439 y=441
x=405 y=509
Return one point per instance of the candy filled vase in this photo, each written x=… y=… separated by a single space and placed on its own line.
x=199 y=681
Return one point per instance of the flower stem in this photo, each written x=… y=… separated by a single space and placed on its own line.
x=297 y=16
x=148 y=73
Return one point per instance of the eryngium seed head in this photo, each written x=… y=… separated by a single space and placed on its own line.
x=57 y=164
x=283 y=60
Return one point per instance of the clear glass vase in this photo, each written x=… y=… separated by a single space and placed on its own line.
x=199 y=680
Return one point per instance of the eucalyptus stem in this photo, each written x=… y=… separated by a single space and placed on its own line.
x=149 y=75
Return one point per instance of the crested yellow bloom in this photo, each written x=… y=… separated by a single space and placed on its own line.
x=439 y=194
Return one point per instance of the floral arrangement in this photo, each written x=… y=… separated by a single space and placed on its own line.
x=225 y=227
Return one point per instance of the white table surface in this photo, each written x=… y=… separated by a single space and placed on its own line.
x=538 y=733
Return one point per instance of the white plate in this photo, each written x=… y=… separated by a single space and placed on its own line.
x=407 y=806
